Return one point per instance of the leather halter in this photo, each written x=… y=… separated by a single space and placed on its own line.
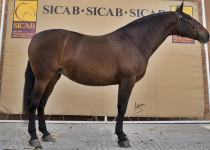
x=180 y=17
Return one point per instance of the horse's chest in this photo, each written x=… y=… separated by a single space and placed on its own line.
x=141 y=70
x=140 y=76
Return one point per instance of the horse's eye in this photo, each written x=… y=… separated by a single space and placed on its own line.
x=190 y=18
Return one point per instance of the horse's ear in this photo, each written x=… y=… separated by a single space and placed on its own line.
x=180 y=8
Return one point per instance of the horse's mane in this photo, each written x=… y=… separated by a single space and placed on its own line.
x=137 y=21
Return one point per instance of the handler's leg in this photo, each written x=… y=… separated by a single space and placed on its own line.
x=42 y=125
x=38 y=90
x=125 y=88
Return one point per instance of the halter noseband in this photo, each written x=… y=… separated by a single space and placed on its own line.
x=180 y=17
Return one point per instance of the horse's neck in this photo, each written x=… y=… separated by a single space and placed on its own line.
x=153 y=32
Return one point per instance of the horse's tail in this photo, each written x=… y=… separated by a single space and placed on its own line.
x=28 y=87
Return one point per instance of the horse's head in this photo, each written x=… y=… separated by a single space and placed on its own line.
x=189 y=27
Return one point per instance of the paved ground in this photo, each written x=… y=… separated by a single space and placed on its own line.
x=101 y=136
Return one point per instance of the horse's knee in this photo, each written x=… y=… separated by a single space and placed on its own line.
x=122 y=110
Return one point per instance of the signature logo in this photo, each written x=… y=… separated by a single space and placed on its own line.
x=25 y=11
x=138 y=107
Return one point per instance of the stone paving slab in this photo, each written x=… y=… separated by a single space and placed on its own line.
x=14 y=136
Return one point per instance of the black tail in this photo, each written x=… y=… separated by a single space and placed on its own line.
x=28 y=87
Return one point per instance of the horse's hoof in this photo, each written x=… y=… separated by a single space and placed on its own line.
x=48 y=139
x=126 y=138
x=124 y=144
x=35 y=143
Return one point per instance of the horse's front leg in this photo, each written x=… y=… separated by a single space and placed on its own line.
x=125 y=88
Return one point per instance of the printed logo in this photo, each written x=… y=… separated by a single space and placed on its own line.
x=24 y=22
x=176 y=39
x=25 y=11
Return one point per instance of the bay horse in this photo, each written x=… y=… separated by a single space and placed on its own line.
x=120 y=57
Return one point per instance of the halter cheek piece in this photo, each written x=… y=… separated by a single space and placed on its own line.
x=180 y=17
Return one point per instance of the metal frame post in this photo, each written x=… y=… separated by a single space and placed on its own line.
x=2 y=25
x=206 y=51
x=105 y=118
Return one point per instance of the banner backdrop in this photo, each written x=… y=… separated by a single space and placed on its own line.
x=172 y=86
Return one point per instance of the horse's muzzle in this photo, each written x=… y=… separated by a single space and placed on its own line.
x=204 y=38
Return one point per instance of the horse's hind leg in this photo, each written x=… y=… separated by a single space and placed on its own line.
x=125 y=88
x=38 y=90
x=42 y=126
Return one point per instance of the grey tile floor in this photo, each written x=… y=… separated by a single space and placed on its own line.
x=14 y=136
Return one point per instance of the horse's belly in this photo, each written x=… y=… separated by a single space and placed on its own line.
x=90 y=76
